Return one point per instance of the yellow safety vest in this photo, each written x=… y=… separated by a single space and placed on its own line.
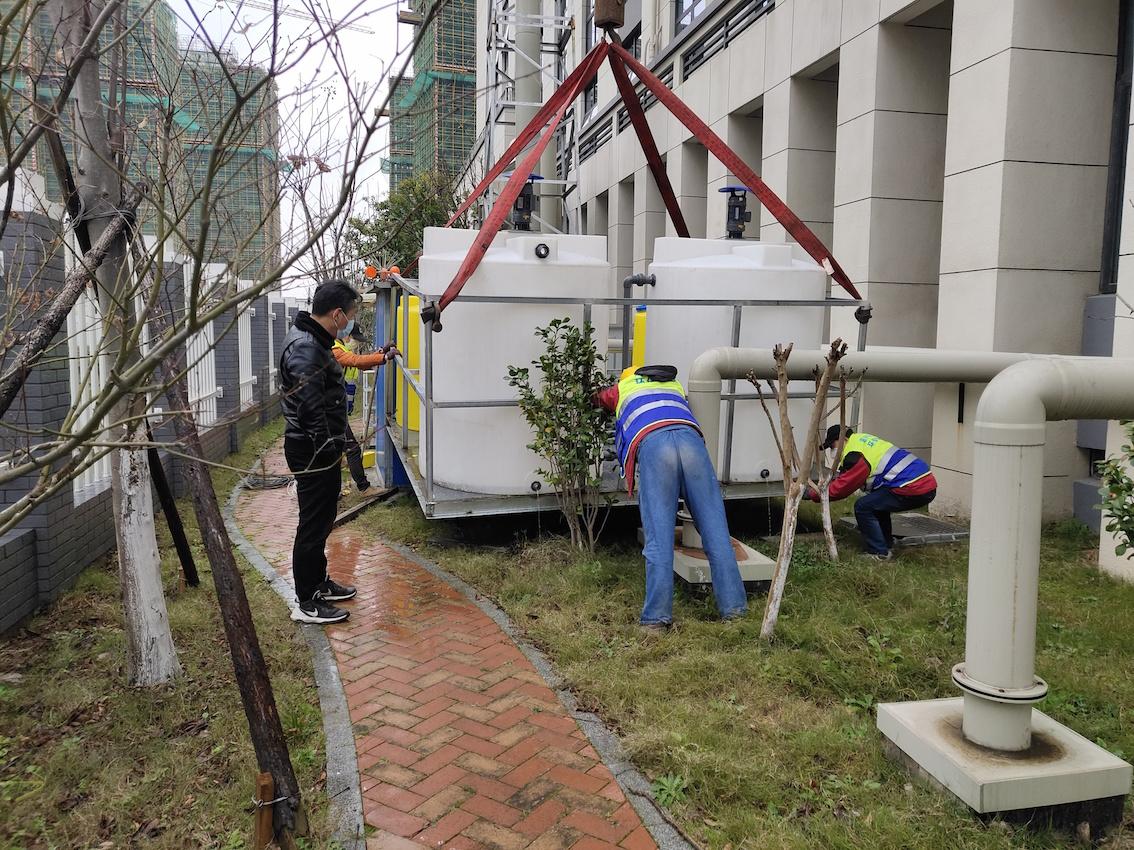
x=350 y=373
x=890 y=466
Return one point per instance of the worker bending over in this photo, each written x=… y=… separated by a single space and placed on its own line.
x=658 y=437
x=894 y=480
x=351 y=363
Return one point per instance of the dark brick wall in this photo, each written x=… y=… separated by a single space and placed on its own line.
x=17 y=577
x=226 y=348
x=44 y=554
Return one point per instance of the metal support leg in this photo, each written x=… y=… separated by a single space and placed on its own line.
x=862 y=315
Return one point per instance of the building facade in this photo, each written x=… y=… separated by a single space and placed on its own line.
x=964 y=160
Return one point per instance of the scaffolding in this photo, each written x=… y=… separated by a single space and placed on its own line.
x=505 y=62
x=399 y=164
x=433 y=113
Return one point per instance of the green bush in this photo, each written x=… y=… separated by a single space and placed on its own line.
x=570 y=434
x=1117 y=494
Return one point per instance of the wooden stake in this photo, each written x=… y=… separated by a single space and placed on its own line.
x=172 y=517
x=265 y=792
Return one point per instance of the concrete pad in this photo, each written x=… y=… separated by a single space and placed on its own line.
x=693 y=564
x=1061 y=767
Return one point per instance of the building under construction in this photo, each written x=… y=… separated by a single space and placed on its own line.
x=171 y=100
x=433 y=114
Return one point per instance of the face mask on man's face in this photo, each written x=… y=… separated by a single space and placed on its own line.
x=345 y=332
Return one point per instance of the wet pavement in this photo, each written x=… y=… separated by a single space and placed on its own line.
x=460 y=742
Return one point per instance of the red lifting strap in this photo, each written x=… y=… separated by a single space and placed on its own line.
x=791 y=222
x=646 y=140
x=562 y=98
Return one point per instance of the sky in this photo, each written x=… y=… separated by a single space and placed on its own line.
x=314 y=89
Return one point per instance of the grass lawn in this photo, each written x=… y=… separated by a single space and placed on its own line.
x=86 y=762
x=756 y=745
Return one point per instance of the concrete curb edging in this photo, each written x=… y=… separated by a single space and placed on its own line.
x=343 y=787
x=630 y=780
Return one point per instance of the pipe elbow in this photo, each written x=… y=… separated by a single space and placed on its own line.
x=706 y=372
x=1013 y=409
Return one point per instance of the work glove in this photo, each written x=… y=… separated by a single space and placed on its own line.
x=390 y=350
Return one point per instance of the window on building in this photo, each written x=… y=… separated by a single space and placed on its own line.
x=590 y=30
x=633 y=42
x=687 y=11
x=590 y=97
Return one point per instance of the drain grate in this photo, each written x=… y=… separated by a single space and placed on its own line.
x=921 y=529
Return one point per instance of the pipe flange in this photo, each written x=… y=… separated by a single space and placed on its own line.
x=1010 y=696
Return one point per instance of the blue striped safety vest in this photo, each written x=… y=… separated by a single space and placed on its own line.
x=645 y=406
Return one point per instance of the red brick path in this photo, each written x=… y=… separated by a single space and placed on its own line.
x=460 y=743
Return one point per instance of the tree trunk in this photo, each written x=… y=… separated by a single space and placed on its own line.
x=828 y=526
x=151 y=658
x=783 y=559
x=797 y=469
x=244 y=645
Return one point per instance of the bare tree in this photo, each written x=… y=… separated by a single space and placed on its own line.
x=202 y=132
x=797 y=465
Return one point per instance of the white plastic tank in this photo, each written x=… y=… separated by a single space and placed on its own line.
x=716 y=269
x=484 y=450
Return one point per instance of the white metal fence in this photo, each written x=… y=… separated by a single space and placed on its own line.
x=89 y=366
x=201 y=361
x=276 y=313
x=244 y=348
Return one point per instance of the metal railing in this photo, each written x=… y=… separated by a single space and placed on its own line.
x=394 y=295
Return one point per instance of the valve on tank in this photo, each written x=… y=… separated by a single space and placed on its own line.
x=525 y=205
x=736 y=215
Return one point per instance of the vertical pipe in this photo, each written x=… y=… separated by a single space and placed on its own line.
x=730 y=414
x=627 y=289
x=862 y=315
x=1003 y=584
x=405 y=367
x=1119 y=141
x=381 y=438
x=427 y=367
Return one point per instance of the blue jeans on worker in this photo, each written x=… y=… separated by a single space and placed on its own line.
x=674 y=464
x=873 y=510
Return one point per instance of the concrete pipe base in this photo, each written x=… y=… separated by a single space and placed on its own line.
x=1059 y=769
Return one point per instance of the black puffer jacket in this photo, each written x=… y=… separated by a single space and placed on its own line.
x=312 y=393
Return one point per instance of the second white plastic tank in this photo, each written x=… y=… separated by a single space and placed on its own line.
x=715 y=269
x=484 y=450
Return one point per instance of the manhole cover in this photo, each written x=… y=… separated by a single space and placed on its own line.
x=921 y=529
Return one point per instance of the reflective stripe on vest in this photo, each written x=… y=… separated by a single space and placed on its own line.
x=350 y=373
x=890 y=466
x=642 y=405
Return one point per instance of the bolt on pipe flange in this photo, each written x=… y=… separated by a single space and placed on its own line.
x=1009 y=696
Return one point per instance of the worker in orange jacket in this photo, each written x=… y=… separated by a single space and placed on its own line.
x=351 y=363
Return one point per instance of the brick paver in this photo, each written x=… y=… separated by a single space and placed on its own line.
x=460 y=743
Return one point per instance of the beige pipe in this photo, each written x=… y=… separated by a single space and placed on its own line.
x=919 y=365
x=1025 y=392
x=998 y=675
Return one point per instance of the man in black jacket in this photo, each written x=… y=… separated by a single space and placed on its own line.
x=313 y=398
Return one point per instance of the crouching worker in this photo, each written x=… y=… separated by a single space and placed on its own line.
x=658 y=437
x=893 y=479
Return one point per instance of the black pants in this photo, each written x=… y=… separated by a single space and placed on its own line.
x=318 y=480
x=354 y=460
